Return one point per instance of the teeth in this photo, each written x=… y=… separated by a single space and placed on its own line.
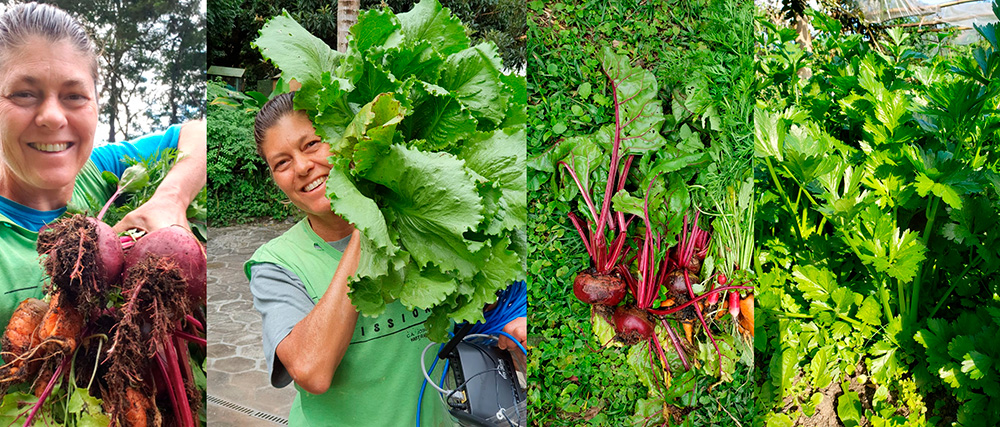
x=51 y=148
x=312 y=185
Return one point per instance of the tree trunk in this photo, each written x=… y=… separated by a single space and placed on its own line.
x=805 y=41
x=347 y=16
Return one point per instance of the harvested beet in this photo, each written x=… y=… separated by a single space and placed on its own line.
x=675 y=282
x=180 y=245
x=83 y=258
x=632 y=325
x=144 y=338
x=112 y=257
x=601 y=289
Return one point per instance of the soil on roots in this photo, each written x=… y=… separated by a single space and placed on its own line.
x=155 y=301
x=70 y=248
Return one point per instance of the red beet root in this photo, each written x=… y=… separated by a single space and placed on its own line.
x=602 y=289
x=111 y=254
x=632 y=325
x=182 y=246
x=675 y=281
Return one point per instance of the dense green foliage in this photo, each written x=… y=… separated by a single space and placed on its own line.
x=233 y=24
x=426 y=136
x=879 y=197
x=240 y=188
x=699 y=56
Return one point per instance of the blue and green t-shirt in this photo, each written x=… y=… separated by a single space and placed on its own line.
x=21 y=274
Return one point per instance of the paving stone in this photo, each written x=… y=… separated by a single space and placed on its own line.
x=219 y=325
x=217 y=349
x=237 y=372
x=237 y=306
x=246 y=339
x=235 y=364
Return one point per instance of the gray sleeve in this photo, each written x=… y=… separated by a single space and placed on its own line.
x=282 y=300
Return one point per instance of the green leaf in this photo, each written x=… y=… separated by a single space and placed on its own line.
x=431 y=22
x=638 y=360
x=419 y=60
x=134 y=178
x=431 y=202
x=438 y=117
x=779 y=420
x=370 y=134
x=354 y=207
x=603 y=330
x=885 y=367
x=783 y=369
x=820 y=367
x=473 y=76
x=495 y=275
x=815 y=283
x=500 y=159
x=809 y=406
x=297 y=53
x=870 y=312
x=326 y=101
x=648 y=411
x=976 y=365
x=768 y=134
x=636 y=101
x=427 y=288
x=849 y=409
x=947 y=193
x=375 y=28
x=887 y=248
x=582 y=154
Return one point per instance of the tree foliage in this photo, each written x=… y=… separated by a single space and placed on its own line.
x=152 y=61
x=232 y=24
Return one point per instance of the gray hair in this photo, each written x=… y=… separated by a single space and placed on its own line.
x=23 y=21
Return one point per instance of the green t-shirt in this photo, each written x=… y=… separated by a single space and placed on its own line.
x=21 y=274
x=378 y=380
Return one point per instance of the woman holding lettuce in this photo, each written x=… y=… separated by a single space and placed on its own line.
x=345 y=367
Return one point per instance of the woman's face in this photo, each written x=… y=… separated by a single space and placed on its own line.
x=48 y=115
x=298 y=162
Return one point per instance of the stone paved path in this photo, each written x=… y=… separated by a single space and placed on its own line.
x=240 y=394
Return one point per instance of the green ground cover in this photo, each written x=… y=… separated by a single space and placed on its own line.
x=699 y=53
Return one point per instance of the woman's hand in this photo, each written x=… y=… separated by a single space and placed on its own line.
x=153 y=215
x=169 y=203
x=518 y=328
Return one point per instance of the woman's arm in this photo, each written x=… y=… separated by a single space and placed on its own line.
x=169 y=203
x=316 y=345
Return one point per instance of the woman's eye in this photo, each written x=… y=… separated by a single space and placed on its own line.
x=280 y=165
x=76 y=100
x=22 y=97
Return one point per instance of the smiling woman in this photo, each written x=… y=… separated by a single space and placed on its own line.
x=48 y=110
x=48 y=114
x=48 y=161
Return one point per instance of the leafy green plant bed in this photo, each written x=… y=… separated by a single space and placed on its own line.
x=878 y=195
x=660 y=103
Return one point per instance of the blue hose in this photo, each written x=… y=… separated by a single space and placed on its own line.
x=511 y=304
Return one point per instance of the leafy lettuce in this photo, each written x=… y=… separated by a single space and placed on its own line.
x=427 y=139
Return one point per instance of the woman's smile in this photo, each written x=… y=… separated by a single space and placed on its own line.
x=315 y=184
x=50 y=148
